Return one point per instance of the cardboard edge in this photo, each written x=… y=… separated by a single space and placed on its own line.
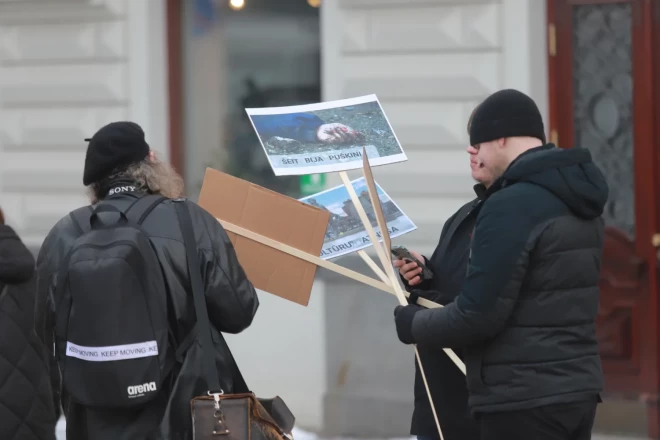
x=311 y=270
x=320 y=220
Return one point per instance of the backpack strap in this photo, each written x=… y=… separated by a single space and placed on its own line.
x=80 y=218
x=199 y=298
x=139 y=210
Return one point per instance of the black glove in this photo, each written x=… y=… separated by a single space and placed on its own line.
x=414 y=296
x=403 y=318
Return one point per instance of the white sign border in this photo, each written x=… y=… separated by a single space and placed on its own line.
x=330 y=168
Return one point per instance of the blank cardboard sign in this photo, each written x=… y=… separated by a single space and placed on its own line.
x=272 y=215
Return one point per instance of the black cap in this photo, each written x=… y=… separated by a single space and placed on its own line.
x=115 y=145
x=507 y=113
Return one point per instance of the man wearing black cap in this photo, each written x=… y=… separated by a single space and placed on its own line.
x=448 y=264
x=121 y=172
x=525 y=316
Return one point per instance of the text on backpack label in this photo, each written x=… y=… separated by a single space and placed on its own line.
x=114 y=353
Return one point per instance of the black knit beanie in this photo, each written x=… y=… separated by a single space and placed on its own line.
x=507 y=113
x=115 y=145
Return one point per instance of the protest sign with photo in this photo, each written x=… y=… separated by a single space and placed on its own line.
x=345 y=232
x=326 y=137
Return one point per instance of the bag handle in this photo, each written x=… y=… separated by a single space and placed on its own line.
x=203 y=325
x=94 y=220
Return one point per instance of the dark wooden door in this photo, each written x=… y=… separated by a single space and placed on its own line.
x=603 y=61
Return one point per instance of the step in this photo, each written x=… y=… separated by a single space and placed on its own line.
x=621 y=417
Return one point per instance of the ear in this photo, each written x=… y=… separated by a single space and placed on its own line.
x=151 y=155
x=501 y=142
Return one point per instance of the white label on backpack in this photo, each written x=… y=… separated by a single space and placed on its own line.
x=140 y=390
x=114 y=353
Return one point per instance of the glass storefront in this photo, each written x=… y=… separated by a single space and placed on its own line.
x=238 y=54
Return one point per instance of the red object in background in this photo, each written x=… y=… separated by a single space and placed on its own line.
x=629 y=316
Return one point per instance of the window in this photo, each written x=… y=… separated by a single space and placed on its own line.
x=264 y=54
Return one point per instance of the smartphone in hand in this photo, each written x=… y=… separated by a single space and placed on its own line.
x=401 y=253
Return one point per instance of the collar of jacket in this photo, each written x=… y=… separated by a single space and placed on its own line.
x=121 y=186
x=480 y=190
x=502 y=182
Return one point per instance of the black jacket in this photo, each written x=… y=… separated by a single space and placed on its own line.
x=446 y=382
x=526 y=313
x=231 y=300
x=26 y=400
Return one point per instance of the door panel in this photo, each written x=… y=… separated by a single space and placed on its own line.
x=603 y=122
x=602 y=97
x=603 y=101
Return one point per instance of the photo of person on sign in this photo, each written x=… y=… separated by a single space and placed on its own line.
x=326 y=137
x=306 y=127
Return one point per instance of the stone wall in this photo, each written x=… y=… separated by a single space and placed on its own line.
x=68 y=67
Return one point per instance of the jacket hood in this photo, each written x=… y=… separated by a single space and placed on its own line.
x=569 y=174
x=16 y=261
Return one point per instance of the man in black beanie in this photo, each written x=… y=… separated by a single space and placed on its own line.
x=130 y=188
x=525 y=316
x=448 y=263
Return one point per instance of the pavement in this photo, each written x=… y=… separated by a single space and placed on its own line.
x=615 y=437
x=304 y=435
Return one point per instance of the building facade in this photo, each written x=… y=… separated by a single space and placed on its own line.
x=185 y=70
x=67 y=67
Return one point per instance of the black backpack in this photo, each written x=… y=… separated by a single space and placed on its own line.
x=111 y=321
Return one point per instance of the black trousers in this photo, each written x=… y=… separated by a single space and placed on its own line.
x=566 y=421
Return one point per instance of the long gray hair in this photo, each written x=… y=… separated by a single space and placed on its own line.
x=151 y=175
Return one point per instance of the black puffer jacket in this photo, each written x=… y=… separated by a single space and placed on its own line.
x=231 y=301
x=26 y=401
x=526 y=313
x=446 y=382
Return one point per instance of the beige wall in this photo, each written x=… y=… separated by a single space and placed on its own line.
x=284 y=353
x=66 y=68
x=430 y=62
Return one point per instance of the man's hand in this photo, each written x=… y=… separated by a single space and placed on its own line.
x=403 y=318
x=410 y=270
x=338 y=134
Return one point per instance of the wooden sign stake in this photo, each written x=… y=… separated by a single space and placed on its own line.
x=382 y=225
x=387 y=262
x=356 y=276
x=382 y=249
